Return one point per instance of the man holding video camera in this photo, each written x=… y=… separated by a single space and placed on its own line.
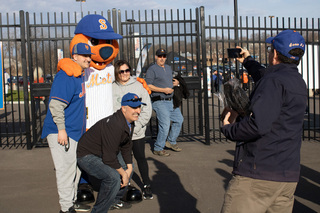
x=267 y=161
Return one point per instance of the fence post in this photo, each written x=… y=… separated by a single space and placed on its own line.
x=25 y=79
x=205 y=80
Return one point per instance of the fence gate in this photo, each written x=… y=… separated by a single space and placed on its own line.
x=220 y=33
x=177 y=32
x=15 y=117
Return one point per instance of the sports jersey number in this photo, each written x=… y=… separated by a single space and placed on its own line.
x=103 y=25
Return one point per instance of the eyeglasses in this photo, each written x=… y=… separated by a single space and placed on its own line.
x=124 y=71
x=134 y=100
x=162 y=56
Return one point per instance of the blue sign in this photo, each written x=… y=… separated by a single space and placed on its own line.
x=1 y=80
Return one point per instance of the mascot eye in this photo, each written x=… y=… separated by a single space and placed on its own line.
x=94 y=41
x=108 y=41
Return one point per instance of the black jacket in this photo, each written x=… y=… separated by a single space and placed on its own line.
x=271 y=136
x=180 y=91
x=106 y=139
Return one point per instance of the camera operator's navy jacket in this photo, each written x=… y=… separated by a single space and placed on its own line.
x=271 y=136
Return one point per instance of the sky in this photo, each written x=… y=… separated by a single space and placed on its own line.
x=263 y=8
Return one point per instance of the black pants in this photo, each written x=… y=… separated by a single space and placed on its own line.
x=139 y=154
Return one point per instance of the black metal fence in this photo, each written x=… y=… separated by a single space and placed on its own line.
x=15 y=122
x=220 y=33
x=196 y=44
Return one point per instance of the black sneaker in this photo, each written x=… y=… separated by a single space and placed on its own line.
x=120 y=205
x=147 y=193
x=71 y=210
x=81 y=207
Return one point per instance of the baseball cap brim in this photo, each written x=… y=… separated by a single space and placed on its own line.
x=161 y=54
x=269 y=40
x=135 y=104
x=103 y=35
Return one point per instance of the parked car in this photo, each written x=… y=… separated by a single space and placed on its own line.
x=218 y=68
x=48 y=78
x=14 y=79
x=20 y=80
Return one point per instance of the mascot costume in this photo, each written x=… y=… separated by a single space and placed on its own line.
x=96 y=31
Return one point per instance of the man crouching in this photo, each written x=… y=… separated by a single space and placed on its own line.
x=98 y=149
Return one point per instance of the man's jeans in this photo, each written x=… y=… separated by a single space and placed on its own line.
x=110 y=181
x=165 y=114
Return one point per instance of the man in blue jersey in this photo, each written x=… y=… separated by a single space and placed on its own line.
x=64 y=124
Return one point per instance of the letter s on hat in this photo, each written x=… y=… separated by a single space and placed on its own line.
x=103 y=25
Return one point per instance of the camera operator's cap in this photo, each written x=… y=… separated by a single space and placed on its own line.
x=161 y=51
x=82 y=49
x=96 y=26
x=286 y=41
x=131 y=100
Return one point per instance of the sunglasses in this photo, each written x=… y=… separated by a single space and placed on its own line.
x=269 y=49
x=162 y=56
x=134 y=100
x=124 y=71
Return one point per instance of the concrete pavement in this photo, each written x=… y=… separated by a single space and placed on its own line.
x=193 y=180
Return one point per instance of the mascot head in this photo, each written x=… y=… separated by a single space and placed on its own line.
x=96 y=31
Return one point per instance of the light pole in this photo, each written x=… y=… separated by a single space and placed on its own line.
x=236 y=37
x=81 y=3
x=131 y=43
x=271 y=18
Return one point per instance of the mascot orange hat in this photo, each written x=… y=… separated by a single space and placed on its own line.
x=97 y=32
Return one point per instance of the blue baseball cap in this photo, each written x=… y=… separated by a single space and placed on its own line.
x=286 y=41
x=82 y=49
x=131 y=100
x=96 y=26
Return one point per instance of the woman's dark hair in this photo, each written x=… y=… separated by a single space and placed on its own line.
x=117 y=66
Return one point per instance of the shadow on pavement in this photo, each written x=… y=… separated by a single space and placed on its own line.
x=308 y=189
x=171 y=195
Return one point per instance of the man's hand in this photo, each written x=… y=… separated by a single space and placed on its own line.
x=62 y=137
x=244 y=54
x=226 y=119
x=167 y=90
x=159 y=89
x=175 y=82
x=125 y=180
